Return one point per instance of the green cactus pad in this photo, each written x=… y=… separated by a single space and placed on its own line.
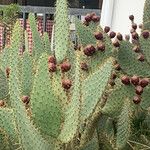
x=116 y=99
x=27 y=73
x=84 y=33
x=47 y=44
x=4 y=89
x=97 y=59
x=45 y=106
x=92 y=144
x=145 y=45
x=5 y=58
x=58 y=90
x=61 y=31
x=124 y=125
x=38 y=47
x=29 y=136
x=145 y=104
x=26 y=41
x=7 y=122
x=146 y=15
x=129 y=63
x=93 y=88
x=72 y=110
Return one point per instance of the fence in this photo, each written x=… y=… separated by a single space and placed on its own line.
x=44 y=24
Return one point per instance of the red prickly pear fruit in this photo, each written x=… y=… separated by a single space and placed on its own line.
x=137 y=99
x=144 y=82
x=66 y=84
x=127 y=37
x=2 y=103
x=95 y=18
x=107 y=29
x=93 y=14
x=52 y=59
x=135 y=80
x=98 y=35
x=25 y=99
x=116 y=43
x=112 y=34
x=84 y=66
x=132 y=30
x=52 y=67
x=7 y=72
x=117 y=67
x=136 y=49
x=141 y=26
x=135 y=36
x=119 y=36
x=131 y=17
x=139 y=90
x=86 y=23
x=125 y=80
x=101 y=47
x=88 y=18
x=134 y=26
x=141 y=57
x=145 y=34
x=65 y=66
x=89 y=50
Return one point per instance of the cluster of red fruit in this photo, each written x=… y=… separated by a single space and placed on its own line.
x=118 y=37
x=139 y=84
x=65 y=67
x=91 y=17
x=89 y=50
x=135 y=38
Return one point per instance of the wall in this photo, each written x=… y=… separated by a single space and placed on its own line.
x=121 y=9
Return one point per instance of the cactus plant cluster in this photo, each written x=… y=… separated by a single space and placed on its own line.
x=91 y=96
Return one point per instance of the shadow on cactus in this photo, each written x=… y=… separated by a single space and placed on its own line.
x=90 y=96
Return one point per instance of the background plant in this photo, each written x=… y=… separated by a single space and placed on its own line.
x=8 y=17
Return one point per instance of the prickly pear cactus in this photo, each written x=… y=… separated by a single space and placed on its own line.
x=86 y=96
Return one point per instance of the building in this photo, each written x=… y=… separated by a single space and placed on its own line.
x=95 y=4
x=44 y=10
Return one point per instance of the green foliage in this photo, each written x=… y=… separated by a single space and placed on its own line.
x=146 y=15
x=93 y=88
x=116 y=99
x=45 y=107
x=47 y=44
x=129 y=63
x=3 y=85
x=85 y=35
x=124 y=124
x=10 y=14
x=26 y=73
x=144 y=45
x=38 y=47
x=72 y=110
x=145 y=104
x=61 y=37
